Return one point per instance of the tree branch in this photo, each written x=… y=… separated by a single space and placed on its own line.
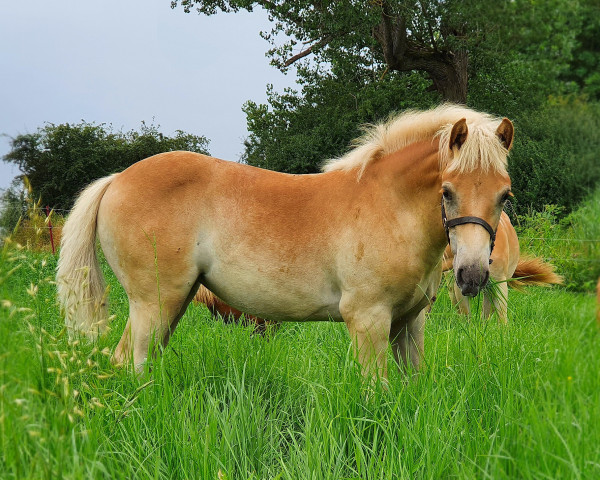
x=383 y=33
x=430 y=31
x=324 y=41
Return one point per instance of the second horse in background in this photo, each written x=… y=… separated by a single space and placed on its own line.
x=507 y=265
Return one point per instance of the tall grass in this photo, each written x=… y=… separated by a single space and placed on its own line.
x=24 y=221
x=491 y=402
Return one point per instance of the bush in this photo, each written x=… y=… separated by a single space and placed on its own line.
x=60 y=160
x=13 y=206
x=555 y=156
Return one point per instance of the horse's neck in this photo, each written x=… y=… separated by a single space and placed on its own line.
x=413 y=177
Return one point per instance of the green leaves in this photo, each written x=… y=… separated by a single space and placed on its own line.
x=360 y=61
x=555 y=159
x=297 y=131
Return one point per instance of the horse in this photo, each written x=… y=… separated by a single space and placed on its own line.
x=361 y=242
x=218 y=308
x=507 y=266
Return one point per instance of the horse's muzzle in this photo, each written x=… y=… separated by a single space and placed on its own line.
x=471 y=279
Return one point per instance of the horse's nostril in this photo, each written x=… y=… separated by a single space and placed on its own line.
x=459 y=276
x=486 y=277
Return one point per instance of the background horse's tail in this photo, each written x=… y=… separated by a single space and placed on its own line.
x=205 y=296
x=230 y=314
x=534 y=271
x=80 y=284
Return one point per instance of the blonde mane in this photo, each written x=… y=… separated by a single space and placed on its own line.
x=482 y=149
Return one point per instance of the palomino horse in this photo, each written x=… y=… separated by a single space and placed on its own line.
x=218 y=308
x=360 y=243
x=506 y=264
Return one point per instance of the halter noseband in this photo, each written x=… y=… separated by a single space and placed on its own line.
x=448 y=224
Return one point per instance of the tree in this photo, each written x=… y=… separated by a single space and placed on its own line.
x=296 y=132
x=360 y=61
x=555 y=155
x=60 y=160
x=436 y=37
x=584 y=71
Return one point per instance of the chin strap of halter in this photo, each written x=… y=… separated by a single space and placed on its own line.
x=448 y=224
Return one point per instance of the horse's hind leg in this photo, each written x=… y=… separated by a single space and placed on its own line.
x=145 y=321
x=150 y=324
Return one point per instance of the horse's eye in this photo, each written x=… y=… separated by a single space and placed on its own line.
x=447 y=195
x=505 y=197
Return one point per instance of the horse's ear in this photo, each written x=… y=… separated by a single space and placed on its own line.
x=505 y=132
x=459 y=133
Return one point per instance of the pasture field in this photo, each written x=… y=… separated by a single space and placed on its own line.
x=495 y=402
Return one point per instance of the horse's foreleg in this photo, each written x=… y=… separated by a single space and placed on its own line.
x=459 y=300
x=369 y=330
x=407 y=339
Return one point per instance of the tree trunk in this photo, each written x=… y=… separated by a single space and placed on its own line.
x=450 y=77
x=447 y=69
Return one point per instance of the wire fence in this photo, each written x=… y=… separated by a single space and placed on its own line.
x=43 y=210
x=553 y=239
x=546 y=239
x=546 y=257
x=64 y=212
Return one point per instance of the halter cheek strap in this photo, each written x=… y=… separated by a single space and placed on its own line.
x=448 y=224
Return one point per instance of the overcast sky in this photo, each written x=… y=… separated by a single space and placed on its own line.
x=124 y=61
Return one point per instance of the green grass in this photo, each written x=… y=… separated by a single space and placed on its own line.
x=495 y=402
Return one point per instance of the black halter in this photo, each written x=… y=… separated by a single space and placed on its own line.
x=448 y=224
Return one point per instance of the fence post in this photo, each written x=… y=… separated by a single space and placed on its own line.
x=50 y=227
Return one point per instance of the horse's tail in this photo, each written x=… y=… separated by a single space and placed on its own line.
x=205 y=296
x=80 y=284
x=534 y=271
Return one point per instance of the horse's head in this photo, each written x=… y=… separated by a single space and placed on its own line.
x=474 y=190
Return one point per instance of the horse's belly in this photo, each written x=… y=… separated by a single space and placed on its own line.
x=282 y=296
